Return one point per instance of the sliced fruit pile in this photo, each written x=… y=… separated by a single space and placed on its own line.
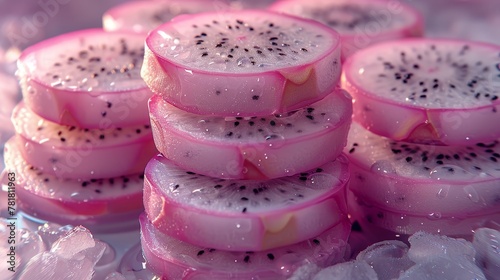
x=82 y=130
x=425 y=150
x=251 y=180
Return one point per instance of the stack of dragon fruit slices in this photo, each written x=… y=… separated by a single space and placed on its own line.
x=424 y=146
x=251 y=180
x=82 y=131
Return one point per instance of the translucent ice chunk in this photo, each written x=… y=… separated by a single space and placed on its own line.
x=388 y=258
x=487 y=244
x=426 y=246
x=305 y=272
x=440 y=268
x=353 y=270
x=51 y=232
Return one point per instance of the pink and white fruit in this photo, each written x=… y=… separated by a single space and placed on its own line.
x=110 y=204
x=88 y=79
x=361 y=22
x=443 y=184
x=174 y=259
x=241 y=63
x=145 y=15
x=432 y=91
x=72 y=152
x=253 y=147
x=244 y=215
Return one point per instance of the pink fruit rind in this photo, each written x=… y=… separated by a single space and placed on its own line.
x=374 y=33
x=66 y=106
x=439 y=126
x=279 y=90
x=181 y=261
x=249 y=231
x=92 y=159
x=68 y=201
x=371 y=214
x=258 y=160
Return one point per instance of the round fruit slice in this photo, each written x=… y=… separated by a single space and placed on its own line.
x=143 y=16
x=174 y=259
x=424 y=180
x=244 y=215
x=253 y=147
x=360 y=22
x=384 y=223
x=242 y=63
x=88 y=79
x=72 y=152
x=427 y=90
x=111 y=204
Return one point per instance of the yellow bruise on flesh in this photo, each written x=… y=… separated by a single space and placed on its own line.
x=299 y=86
x=279 y=230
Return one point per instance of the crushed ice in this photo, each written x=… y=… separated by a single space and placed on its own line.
x=426 y=257
x=52 y=252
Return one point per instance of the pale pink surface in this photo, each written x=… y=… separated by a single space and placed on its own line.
x=110 y=204
x=406 y=122
x=366 y=33
x=396 y=177
x=268 y=225
x=371 y=214
x=245 y=92
x=99 y=106
x=204 y=149
x=71 y=152
x=144 y=15
x=184 y=261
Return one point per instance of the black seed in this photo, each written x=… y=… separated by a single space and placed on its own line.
x=229 y=134
x=103 y=114
x=303 y=178
x=109 y=104
x=408 y=159
x=190 y=173
x=255 y=97
x=244 y=210
x=63 y=139
x=176 y=187
x=244 y=198
x=270 y=256
x=101 y=136
x=316 y=241
x=201 y=252
x=204 y=54
x=236 y=124
x=439 y=162
x=272 y=123
x=303 y=49
x=246 y=259
x=311 y=117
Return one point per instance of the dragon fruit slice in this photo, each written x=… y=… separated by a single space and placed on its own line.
x=144 y=16
x=435 y=183
x=72 y=152
x=174 y=259
x=431 y=91
x=361 y=22
x=102 y=205
x=244 y=215
x=241 y=63
x=88 y=79
x=253 y=147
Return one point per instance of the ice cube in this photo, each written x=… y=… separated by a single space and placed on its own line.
x=305 y=272
x=439 y=268
x=388 y=258
x=425 y=246
x=353 y=270
x=487 y=244
x=51 y=232
x=77 y=244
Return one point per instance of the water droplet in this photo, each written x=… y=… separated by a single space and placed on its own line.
x=443 y=192
x=434 y=216
x=317 y=180
x=472 y=193
x=243 y=62
x=383 y=167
